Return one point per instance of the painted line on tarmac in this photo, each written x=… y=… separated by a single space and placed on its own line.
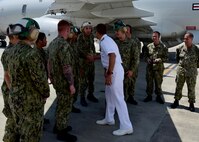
x=169 y=69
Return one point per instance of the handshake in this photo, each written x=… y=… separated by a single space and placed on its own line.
x=153 y=61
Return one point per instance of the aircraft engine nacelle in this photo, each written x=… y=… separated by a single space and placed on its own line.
x=48 y=26
x=175 y=31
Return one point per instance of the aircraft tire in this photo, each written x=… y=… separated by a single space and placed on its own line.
x=2 y=43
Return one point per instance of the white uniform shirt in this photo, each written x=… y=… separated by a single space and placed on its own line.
x=107 y=46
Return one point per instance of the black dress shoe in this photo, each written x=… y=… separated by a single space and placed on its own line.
x=191 y=107
x=175 y=104
x=131 y=100
x=92 y=98
x=55 y=131
x=62 y=136
x=159 y=100
x=75 y=110
x=83 y=102
x=148 y=99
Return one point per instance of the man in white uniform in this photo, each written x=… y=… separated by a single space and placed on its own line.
x=114 y=75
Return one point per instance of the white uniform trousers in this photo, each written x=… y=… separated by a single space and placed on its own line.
x=115 y=99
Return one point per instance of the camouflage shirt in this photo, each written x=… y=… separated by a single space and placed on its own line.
x=130 y=54
x=5 y=60
x=75 y=56
x=154 y=52
x=29 y=83
x=137 y=41
x=59 y=57
x=188 y=59
x=43 y=56
x=86 y=46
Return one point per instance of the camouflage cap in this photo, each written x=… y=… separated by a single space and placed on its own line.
x=118 y=25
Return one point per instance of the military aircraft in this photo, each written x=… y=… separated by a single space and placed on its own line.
x=12 y=11
x=171 y=18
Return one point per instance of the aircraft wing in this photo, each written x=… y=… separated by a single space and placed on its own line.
x=99 y=11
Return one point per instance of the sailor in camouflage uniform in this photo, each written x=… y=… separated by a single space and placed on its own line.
x=155 y=56
x=29 y=86
x=187 y=56
x=133 y=37
x=130 y=57
x=75 y=31
x=10 y=131
x=87 y=68
x=39 y=47
x=40 y=44
x=61 y=76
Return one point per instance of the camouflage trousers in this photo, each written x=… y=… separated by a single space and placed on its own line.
x=154 y=77
x=6 y=110
x=5 y=91
x=181 y=78
x=129 y=86
x=10 y=134
x=87 y=77
x=27 y=123
x=76 y=84
x=63 y=109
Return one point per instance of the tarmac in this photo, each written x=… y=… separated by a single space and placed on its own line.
x=152 y=122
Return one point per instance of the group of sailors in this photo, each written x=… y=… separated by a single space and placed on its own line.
x=68 y=64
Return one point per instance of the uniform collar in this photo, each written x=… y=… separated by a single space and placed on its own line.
x=156 y=46
x=102 y=38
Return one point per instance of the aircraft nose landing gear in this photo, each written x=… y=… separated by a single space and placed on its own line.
x=2 y=41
